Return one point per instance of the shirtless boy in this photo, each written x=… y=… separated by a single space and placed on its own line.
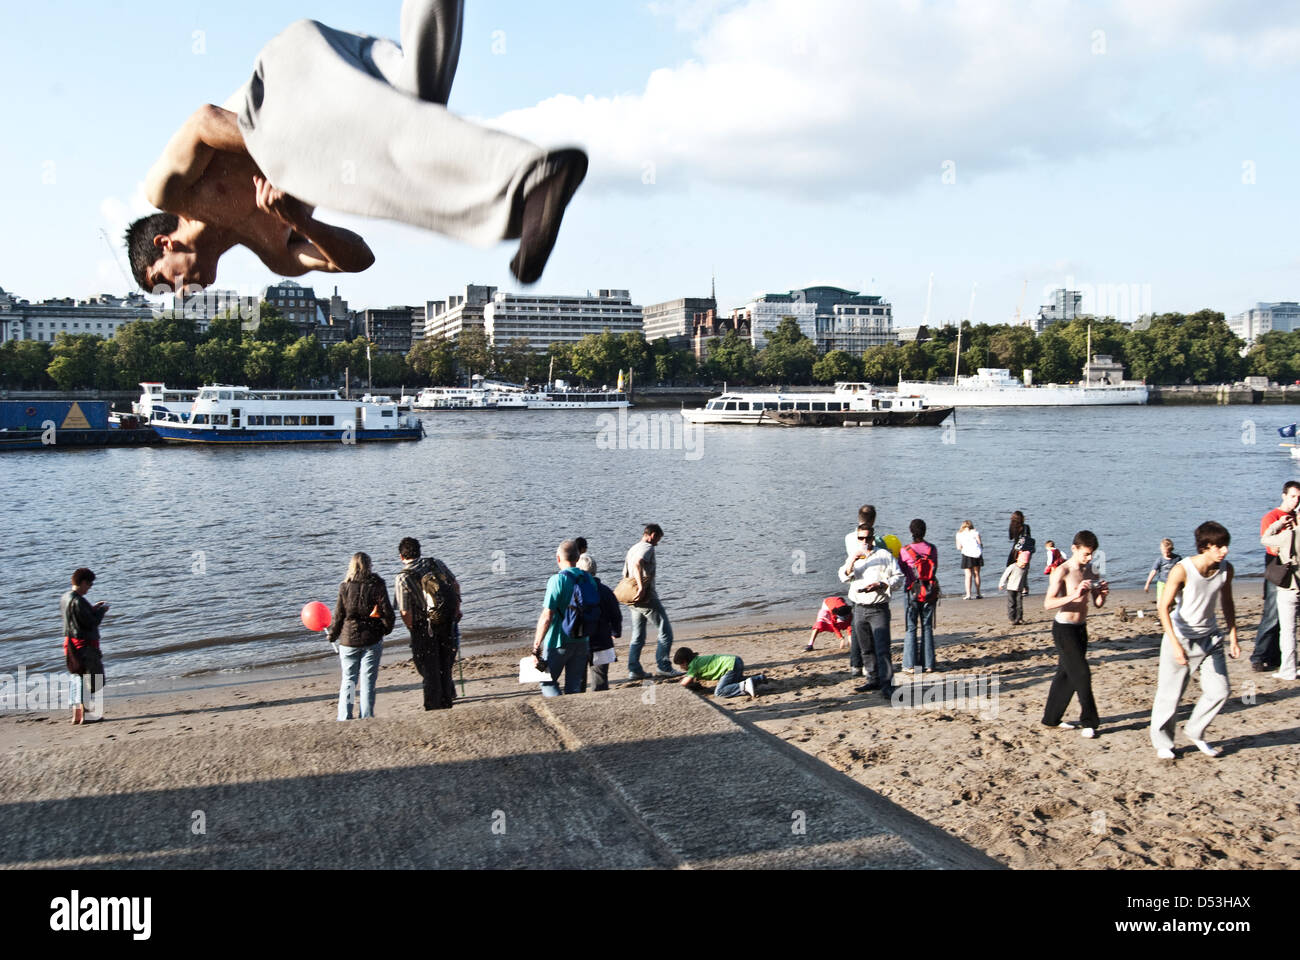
x=1069 y=591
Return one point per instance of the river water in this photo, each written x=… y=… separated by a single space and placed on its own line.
x=207 y=555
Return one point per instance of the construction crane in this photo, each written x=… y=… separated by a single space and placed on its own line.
x=1023 y=288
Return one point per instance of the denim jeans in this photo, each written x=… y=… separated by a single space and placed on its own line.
x=1267 y=648
x=653 y=612
x=571 y=660
x=917 y=614
x=730 y=684
x=360 y=668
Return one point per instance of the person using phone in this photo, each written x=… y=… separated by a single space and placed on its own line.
x=1071 y=590
x=81 y=652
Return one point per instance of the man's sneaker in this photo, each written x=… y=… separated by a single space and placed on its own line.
x=856 y=672
x=1206 y=749
x=1164 y=753
x=748 y=688
x=1065 y=725
x=660 y=672
x=761 y=678
x=1088 y=733
x=887 y=692
x=867 y=687
x=637 y=675
x=1280 y=676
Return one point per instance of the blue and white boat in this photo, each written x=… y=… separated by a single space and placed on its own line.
x=229 y=414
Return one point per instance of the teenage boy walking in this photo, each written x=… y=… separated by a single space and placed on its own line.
x=1069 y=591
x=1192 y=640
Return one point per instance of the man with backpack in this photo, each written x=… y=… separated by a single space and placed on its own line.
x=570 y=616
x=920 y=561
x=428 y=599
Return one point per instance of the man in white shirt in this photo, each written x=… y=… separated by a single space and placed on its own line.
x=873 y=575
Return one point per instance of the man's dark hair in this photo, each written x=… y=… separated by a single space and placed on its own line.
x=409 y=548
x=139 y=243
x=654 y=529
x=1289 y=484
x=867 y=514
x=917 y=527
x=569 y=551
x=683 y=656
x=81 y=575
x=1086 y=538
x=581 y=544
x=1211 y=534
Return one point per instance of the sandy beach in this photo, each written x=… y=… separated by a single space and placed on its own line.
x=985 y=771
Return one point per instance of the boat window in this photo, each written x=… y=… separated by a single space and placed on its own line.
x=273 y=421
x=225 y=395
x=730 y=406
x=801 y=405
x=743 y=405
x=820 y=405
x=711 y=405
x=386 y=413
x=200 y=418
x=770 y=405
x=325 y=421
x=787 y=405
x=256 y=421
x=220 y=420
x=309 y=421
x=886 y=404
x=291 y=420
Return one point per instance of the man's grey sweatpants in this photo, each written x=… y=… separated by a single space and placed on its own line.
x=1205 y=654
x=360 y=125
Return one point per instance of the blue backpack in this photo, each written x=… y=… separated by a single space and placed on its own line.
x=582 y=616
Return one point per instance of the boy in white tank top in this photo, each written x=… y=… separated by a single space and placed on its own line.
x=1192 y=640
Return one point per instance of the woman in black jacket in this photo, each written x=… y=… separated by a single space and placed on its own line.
x=1022 y=549
x=363 y=616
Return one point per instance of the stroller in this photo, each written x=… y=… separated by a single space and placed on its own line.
x=836 y=616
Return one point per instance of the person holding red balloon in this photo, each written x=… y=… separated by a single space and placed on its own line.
x=362 y=618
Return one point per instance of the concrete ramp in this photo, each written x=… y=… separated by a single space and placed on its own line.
x=653 y=776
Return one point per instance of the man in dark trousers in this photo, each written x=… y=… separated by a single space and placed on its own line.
x=1267 y=654
x=433 y=647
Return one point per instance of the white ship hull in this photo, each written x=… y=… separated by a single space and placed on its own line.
x=948 y=395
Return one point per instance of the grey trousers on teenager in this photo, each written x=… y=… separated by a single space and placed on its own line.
x=360 y=124
x=1207 y=655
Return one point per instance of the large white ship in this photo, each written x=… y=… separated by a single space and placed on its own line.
x=995 y=387
x=495 y=395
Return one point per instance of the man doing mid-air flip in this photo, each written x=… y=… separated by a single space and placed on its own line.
x=357 y=124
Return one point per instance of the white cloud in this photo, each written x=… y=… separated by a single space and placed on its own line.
x=835 y=97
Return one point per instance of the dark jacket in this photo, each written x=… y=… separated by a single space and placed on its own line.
x=81 y=619
x=1021 y=543
x=611 y=618
x=410 y=593
x=352 y=625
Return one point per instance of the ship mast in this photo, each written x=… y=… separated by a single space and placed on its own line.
x=1087 y=361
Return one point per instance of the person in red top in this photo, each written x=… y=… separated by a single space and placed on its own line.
x=1054 y=557
x=919 y=560
x=1277 y=620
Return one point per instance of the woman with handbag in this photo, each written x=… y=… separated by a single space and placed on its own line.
x=363 y=616
x=81 y=651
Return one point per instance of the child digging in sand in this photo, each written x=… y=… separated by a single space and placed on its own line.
x=1196 y=587
x=724 y=669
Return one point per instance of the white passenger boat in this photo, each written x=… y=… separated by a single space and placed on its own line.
x=229 y=414
x=849 y=404
x=485 y=394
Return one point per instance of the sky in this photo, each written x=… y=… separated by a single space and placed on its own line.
x=965 y=157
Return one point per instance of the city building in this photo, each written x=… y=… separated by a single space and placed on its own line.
x=210 y=303
x=444 y=319
x=832 y=317
x=708 y=325
x=1265 y=317
x=102 y=316
x=1065 y=305
x=674 y=320
x=543 y=320
x=295 y=303
x=388 y=329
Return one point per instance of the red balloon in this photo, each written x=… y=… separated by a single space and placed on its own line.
x=316 y=616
